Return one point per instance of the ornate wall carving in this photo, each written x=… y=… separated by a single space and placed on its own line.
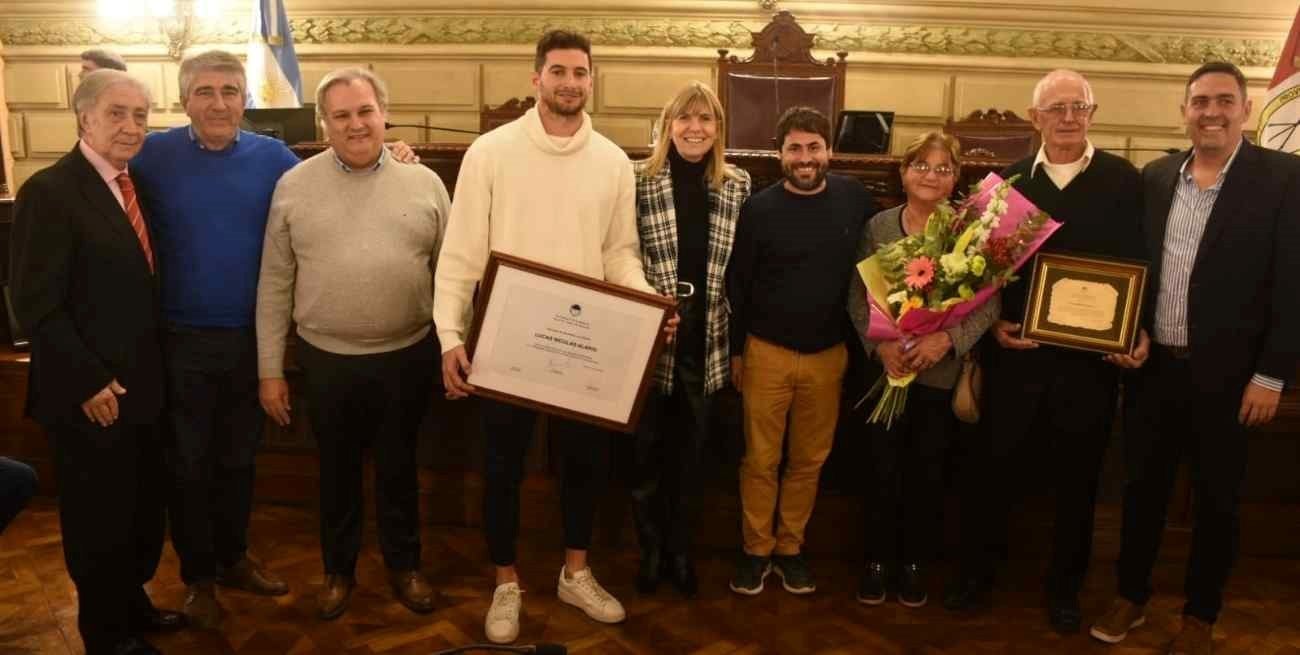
x=671 y=32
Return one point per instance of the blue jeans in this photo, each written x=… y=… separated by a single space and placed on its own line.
x=17 y=484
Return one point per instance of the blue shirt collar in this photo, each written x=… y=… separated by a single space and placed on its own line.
x=1186 y=175
x=383 y=155
x=194 y=138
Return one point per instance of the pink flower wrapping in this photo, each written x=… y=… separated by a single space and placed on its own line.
x=922 y=321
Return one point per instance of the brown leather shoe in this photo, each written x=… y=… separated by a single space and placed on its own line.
x=334 y=596
x=1194 y=639
x=413 y=590
x=247 y=575
x=1114 y=625
x=201 y=606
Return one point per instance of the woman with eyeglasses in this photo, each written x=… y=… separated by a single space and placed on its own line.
x=687 y=202
x=904 y=499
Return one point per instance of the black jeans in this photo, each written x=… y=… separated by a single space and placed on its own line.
x=1065 y=401
x=582 y=448
x=17 y=485
x=667 y=450
x=112 y=486
x=1171 y=418
x=905 y=491
x=216 y=424
x=357 y=401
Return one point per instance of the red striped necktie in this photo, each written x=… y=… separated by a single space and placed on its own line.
x=136 y=217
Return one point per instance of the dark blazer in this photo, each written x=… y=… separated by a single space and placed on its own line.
x=83 y=290
x=1243 y=305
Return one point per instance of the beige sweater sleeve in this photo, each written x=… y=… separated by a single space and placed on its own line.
x=275 y=288
x=621 y=250
x=464 y=250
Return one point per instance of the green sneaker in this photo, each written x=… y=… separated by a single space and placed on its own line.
x=795 y=576
x=751 y=570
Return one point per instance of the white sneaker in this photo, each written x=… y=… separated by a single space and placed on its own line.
x=502 y=623
x=584 y=593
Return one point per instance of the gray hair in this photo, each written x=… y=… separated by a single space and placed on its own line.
x=1062 y=74
x=345 y=76
x=105 y=59
x=212 y=60
x=97 y=82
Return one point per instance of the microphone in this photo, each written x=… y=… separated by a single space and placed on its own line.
x=389 y=126
x=537 y=649
x=1167 y=151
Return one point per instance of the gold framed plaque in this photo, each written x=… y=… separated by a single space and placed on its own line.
x=563 y=343
x=1085 y=303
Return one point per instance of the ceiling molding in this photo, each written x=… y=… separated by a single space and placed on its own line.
x=679 y=32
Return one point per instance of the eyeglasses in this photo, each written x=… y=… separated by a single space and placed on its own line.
x=1061 y=109
x=921 y=168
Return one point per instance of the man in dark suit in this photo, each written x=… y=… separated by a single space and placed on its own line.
x=84 y=287
x=1221 y=223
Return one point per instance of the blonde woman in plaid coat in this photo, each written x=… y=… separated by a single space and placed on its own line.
x=687 y=202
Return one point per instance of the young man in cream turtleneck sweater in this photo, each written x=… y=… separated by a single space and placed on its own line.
x=548 y=188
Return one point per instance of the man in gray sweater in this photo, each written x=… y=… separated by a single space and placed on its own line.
x=351 y=244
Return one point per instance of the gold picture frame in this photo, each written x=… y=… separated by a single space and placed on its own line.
x=1085 y=302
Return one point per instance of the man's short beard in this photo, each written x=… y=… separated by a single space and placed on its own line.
x=795 y=182
x=553 y=106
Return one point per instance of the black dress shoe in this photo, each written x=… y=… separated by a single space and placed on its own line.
x=135 y=646
x=1064 y=615
x=681 y=572
x=156 y=620
x=967 y=593
x=647 y=574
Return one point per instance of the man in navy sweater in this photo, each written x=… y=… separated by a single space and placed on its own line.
x=786 y=283
x=207 y=187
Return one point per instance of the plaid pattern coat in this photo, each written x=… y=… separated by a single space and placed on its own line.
x=657 y=225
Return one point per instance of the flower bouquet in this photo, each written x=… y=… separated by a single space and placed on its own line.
x=928 y=282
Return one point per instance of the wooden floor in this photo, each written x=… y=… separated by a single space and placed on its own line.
x=38 y=608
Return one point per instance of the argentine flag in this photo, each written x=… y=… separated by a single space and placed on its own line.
x=273 y=78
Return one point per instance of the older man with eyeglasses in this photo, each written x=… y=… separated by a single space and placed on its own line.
x=1060 y=400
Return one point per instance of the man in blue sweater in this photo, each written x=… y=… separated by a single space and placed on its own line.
x=207 y=189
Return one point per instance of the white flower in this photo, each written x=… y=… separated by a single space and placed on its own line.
x=897 y=297
x=954 y=265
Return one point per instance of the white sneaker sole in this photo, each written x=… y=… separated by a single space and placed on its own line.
x=572 y=599
x=879 y=600
x=1115 y=639
x=508 y=638
x=767 y=570
x=798 y=591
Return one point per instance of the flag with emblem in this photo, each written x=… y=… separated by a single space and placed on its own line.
x=1279 y=122
x=273 y=78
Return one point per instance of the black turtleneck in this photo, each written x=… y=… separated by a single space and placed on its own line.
x=691 y=205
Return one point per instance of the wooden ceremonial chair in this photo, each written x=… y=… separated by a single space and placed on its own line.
x=493 y=117
x=993 y=134
x=782 y=73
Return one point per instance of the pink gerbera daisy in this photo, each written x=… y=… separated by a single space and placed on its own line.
x=919 y=272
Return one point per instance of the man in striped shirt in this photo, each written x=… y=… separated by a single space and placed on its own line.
x=1220 y=223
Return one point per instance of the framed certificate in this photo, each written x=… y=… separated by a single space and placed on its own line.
x=564 y=343
x=1086 y=303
